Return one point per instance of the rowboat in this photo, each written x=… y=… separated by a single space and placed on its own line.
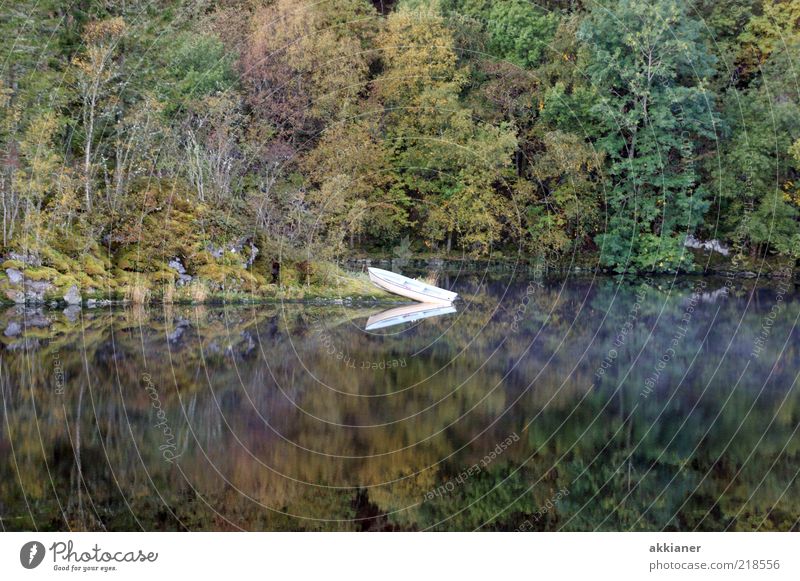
x=407 y=314
x=410 y=288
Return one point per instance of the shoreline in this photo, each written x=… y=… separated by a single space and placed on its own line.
x=341 y=283
x=377 y=297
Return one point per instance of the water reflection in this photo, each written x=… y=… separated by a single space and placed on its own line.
x=568 y=405
x=407 y=314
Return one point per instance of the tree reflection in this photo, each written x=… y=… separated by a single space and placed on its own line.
x=274 y=431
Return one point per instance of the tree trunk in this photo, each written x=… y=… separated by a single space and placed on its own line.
x=87 y=156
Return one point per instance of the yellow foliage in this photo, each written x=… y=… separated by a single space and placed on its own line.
x=103 y=31
x=419 y=53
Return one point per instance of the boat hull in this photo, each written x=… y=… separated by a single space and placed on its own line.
x=410 y=288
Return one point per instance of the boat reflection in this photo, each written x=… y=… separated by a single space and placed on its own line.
x=407 y=314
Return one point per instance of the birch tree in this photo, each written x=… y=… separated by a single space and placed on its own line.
x=95 y=70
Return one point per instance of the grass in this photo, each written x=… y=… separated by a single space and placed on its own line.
x=198 y=291
x=432 y=278
x=138 y=292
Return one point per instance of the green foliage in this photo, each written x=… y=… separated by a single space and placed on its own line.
x=351 y=170
x=200 y=66
x=756 y=171
x=444 y=158
x=775 y=222
x=650 y=64
x=328 y=127
x=519 y=30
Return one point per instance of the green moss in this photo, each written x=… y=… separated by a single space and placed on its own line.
x=64 y=281
x=224 y=274
x=58 y=260
x=41 y=273
x=138 y=260
x=163 y=276
x=93 y=266
x=175 y=227
x=13 y=264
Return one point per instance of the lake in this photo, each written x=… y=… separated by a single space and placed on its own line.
x=569 y=404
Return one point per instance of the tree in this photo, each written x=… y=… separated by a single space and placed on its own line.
x=94 y=71
x=30 y=91
x=140 y=138
x=519 y=31
x=562 y=209
x=306 y=63
x=481 y=215
x=199 y=66
x=445 y=160
x=775 y=28
x=725 y=21
x=756 y=172
x=43 y=175
x=649 y=67
x=418 y=54
x=352 y=173
x=211 y=134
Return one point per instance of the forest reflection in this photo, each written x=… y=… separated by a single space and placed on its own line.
x=561 y=405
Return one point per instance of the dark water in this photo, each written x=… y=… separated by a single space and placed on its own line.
x=540 y=404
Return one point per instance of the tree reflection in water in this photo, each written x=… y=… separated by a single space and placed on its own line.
x=292 y=417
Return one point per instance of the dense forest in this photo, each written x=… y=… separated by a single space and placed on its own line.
x=247 y=144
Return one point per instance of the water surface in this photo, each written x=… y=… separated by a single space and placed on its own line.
x=574 y=404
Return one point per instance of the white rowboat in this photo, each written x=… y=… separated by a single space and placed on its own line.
x=407 y=314
x=410 y=288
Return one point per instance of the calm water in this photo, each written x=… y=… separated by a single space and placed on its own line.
x=574 y=404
